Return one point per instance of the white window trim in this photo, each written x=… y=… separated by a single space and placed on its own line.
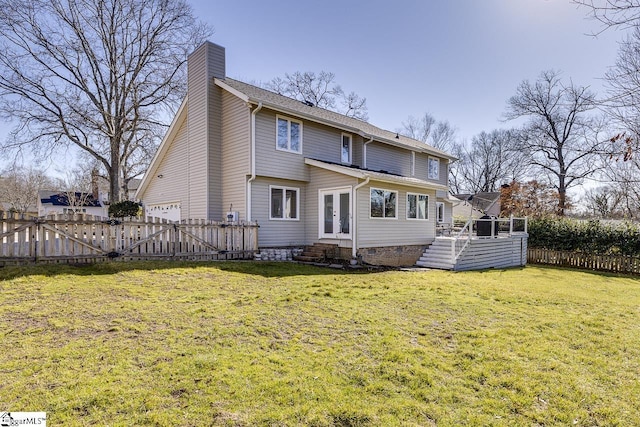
x=284 y=193
x=350 y=161
x=383 y=217
x=426 y=210
x=439 y=220
x=437 y=177
x=290 y=120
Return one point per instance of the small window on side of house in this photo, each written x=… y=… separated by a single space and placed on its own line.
x=417 y=206
x=345 y=149
x=433 y=168
x=384 y=204
x=439 y=212
x=284 y=203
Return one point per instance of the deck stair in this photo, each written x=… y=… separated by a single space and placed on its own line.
x=438 y=255
x=318 y=252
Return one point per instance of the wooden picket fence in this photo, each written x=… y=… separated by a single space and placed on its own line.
x=87 y=239
x=610 y=263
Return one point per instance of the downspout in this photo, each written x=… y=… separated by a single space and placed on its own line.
x=364 y=153
x=354 y=246
x=253 y=159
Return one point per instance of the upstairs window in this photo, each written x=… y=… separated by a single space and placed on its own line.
x=284 y=203
x=345 y=149
x=289 y=135
x=384 y=203
x=433 y=168
x=417 y=206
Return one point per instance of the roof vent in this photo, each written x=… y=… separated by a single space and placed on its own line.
x=309 y=103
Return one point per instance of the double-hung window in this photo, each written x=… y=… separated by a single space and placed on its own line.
x=284 y=203
x=433 y=168
x=417 y=206
x=288 y=135
x=384 y=203
x=345 y=149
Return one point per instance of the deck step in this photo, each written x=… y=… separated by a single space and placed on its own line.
x=317 y=252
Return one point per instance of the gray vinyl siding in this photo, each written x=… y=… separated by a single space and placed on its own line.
x=215 y=208
x=275 y=233
x=197 y=120
x=236 y=143
x=358 y=144
x=382 y=157
x=421 y=171
x=375 y=232
x=276 y=163
x=319 y=142
x=174 y=182
x=322 y=180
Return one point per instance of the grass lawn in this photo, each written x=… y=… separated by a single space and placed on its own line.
x=279 y=344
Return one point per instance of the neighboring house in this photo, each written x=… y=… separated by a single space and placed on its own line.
x=477 y=205
x=306 y=175
x=54 y=202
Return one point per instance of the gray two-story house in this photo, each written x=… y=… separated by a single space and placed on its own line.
x=305 y=174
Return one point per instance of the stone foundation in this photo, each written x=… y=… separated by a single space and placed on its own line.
x=392 y=256
x=277 y=254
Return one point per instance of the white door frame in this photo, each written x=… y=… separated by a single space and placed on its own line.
x=335 y=227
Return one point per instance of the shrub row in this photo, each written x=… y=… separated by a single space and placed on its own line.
x=591 y=236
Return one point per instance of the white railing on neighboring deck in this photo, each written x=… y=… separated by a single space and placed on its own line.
x=485 y=228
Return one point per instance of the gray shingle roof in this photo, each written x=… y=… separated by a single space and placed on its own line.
x=271 y=99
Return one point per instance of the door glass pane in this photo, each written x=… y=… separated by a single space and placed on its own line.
x=328 y=213
x=344 y=213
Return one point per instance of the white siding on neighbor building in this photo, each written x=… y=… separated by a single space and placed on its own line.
x=275 y=163
x=236 y=143
x=322 y=180
x=373 y=232
x=174 y=184
x=275 y=233
x=382 y=157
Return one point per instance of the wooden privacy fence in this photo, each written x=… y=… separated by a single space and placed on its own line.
x=612 y=263
x=84 y=238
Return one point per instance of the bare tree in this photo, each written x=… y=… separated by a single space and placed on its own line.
x=19 y=187
x=604 y=202
x=613 y=13
x=560 y=138
x=320 y=90
x=491 y=160
x=437 y=133
x=78 y=189
x=94 y=74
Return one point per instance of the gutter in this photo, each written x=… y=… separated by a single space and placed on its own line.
x=253 y=159
x=354 y=245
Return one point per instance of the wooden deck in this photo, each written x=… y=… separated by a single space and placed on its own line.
x=480 y=244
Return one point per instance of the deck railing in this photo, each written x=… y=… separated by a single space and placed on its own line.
x=484 y=228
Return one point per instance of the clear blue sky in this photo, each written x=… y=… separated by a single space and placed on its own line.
x=459 y=60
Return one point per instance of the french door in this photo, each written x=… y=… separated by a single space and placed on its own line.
x=335 y=213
